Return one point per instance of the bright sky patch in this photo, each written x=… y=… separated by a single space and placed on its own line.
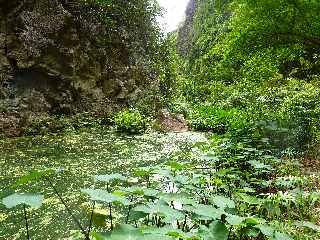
x=173 y=15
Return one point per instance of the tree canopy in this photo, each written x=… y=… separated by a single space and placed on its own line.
x=250 y=40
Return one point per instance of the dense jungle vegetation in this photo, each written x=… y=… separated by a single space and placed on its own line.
x=243 y=75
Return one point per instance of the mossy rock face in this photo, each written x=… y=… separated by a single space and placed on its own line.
x=64 y=61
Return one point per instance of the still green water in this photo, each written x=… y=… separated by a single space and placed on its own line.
x=81 y=155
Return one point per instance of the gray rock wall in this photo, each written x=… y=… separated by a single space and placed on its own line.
x=51 y=61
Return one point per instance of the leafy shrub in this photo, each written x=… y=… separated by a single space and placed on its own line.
x=208 y=118
x=303 y=108
x=130 y=121
x=217 y=120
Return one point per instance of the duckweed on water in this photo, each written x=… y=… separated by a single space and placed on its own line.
x=79 y=155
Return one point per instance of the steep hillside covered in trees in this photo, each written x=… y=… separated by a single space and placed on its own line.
x=257 y=58
x=253 y=41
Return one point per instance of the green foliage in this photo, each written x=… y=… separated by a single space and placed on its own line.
x=110 y=178
x=104 y=196
x=130 y=121
x=209 y=118
x=234 y=191
x=130 y=34
x=254 y=41
x=218 y=120
x=171 y=78
x=286 y=115
x=33 y=176
x=258 y=58
x=245 y=59
x=216 y=230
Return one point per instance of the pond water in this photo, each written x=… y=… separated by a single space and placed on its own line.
x=81 y=155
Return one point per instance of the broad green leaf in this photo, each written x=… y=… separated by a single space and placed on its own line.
x=234 y=220
x=134 y=215
x=208 y=211
x=216 y=231
x=309 y=225
x=156 y=237
x=252 y=221
x=32 y=200
x=33 y=175
x=133 y=190
x=181 y=179
x=219 y=230
x=281 y=236
x=259 y=165
x=104 y=196
x=167 y=232
x=122 y=232
x=159 y=208
x=149 y=192
x=177 y=197
x=265 y=230
x=249 y=199
x=223 y=202
x=141 y=191
x=127 y=232
x=176 y=166
x=163 y=172
x=110 y=177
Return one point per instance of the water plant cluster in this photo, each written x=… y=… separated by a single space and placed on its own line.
x=236 y=189
x=244 y=72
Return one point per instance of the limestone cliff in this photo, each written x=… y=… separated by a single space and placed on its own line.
x=61 y=56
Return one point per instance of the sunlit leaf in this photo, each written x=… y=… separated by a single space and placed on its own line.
x=223 y=202
x=252 y=221
x=110 y=178
x=104 y=196
x=32 y=200
x=234 y=220
x=265 y=230
x=208 y=211
x=122 y=232
x=309 y=225
x=159 y=208
x=259 y=165
x=33 y=175
x=216 y=231
x=175 y=165
x=177 y=197
x=281 y=236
